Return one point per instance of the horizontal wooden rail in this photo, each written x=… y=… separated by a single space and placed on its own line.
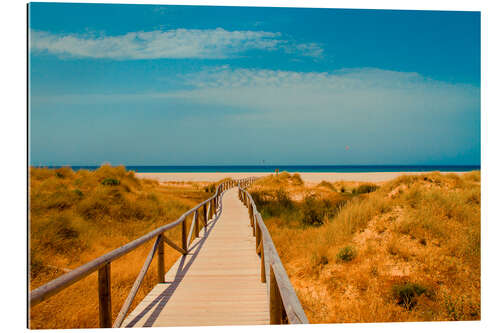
x=102 y=264
x=284 y=305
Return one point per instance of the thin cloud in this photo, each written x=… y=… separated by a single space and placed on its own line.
x=176 y=44
x=320 y=95
x=347 y=91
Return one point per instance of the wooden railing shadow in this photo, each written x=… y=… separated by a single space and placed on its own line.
x=161 y=300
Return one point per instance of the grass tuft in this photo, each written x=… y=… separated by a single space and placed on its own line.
x=405 y=294
x=347 y=253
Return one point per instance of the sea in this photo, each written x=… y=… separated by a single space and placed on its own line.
x=288 y=168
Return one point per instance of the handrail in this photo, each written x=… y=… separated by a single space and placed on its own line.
x=284 y=305
x=102 y=264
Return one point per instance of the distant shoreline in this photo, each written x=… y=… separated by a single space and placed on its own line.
x=312 y=177
x=305 y=169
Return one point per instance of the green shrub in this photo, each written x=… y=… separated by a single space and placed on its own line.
x=405 y=294
x=346 y=254
x=110 y=182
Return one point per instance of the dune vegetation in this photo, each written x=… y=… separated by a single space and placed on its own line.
x=78 y=216
x=404 y=250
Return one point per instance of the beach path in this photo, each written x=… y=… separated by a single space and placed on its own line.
x=217 y=283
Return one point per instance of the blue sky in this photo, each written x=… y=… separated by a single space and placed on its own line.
x=184 y=85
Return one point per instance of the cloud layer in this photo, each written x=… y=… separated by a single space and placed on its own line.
x=347 y=91
x=176 y=44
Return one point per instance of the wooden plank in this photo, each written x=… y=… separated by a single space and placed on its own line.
x=196 y=226
x=161 y=258
x=104 y=290
x=191 y=229
x=173 y=245
x=262 y=264
x=183 y=235
x=275 y=305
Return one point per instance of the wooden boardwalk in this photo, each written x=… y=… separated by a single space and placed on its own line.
x=219 y=279
x=217 y=283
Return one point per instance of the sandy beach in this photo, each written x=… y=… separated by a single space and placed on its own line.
x=310 y=177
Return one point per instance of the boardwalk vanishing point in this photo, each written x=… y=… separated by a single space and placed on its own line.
x=229 y=272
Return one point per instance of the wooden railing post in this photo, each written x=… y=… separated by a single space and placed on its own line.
x=205 y=218
x=161 y=260
x=258 y=236
x=262 y=263
x=275 y=303
x=104 y=290
x=184 y=235
x=254 y=226
x=196 y=226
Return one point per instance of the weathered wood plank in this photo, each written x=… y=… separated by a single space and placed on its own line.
x=161 y=258
x=173 y=245
x=104 y=291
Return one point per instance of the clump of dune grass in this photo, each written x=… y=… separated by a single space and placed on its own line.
x=327 y=185
x=283 y=178
x=75 y=217
x=365 y=188
x=405 y=294
x=346 y=254
x=297 y=180
x=417 y=243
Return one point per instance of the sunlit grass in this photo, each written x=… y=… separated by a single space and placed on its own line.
x=408 y=250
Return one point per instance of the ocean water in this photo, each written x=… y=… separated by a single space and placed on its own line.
x=290 y=168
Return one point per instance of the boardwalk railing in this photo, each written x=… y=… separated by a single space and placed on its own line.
x=284 y=306
x=102 y=264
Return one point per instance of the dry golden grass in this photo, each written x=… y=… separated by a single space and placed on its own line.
x=409 y=251
x=75 y=218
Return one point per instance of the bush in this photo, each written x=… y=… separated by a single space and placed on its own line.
x=297 y=180
x=319 y=260
x=405 y=294
x=110 y=182
x=365 y=188
x=283 y=199
x=346 y=254
x=78 y=193
x=312 y=211
x=327 y=185
x=64 y=172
